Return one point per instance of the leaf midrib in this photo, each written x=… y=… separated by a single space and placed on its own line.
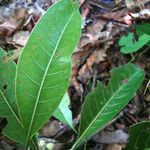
x=100 y=113
x=43 y=79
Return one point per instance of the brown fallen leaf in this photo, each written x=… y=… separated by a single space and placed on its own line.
x=20 y=37
x=81 y=2
x=13 y=21
x=7 y=28
x=50 y=129
x=86 y=72
x=131 y=4
x=114 y=147
x=113 y=137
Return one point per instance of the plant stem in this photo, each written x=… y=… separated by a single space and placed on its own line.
x=85 y=145
x=133 y=58
x=34 y=144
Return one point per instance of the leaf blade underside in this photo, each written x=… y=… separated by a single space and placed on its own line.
x=44 y=65
x=8 y=108
x=104 y=103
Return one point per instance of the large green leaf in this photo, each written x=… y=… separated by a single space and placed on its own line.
x=14 y=129
x=139 y=137
x=63 y=113
x=44 y=65
x=104 y=103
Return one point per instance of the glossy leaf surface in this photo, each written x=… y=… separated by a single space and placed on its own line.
x=44 y=65
x=139 y=137
x=63 y=113
x=14 y=129
x=104 y=103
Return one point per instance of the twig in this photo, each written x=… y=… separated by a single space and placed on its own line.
x=146 y=87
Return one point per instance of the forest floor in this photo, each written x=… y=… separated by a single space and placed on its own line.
x=97 y=53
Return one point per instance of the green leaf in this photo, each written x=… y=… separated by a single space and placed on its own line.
x=139 y=136
x=14 y=129
x=144 y=28
x=8 y=108
x=104 y=103
x=129 y=45
x=44 y=65
x=63 y=113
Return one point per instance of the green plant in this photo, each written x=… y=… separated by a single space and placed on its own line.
x=30 y=94
x=104 y=103
x=139 y=138
x=63 y=113
x=129 y=44
x=42 y=73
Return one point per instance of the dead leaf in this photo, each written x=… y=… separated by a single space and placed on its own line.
x=7 y=28
x=13 y=21
x=50 y=129
x=20 y=37
x=86 y=72
x=108 y=137
x=135 y=3
x=114 y=147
